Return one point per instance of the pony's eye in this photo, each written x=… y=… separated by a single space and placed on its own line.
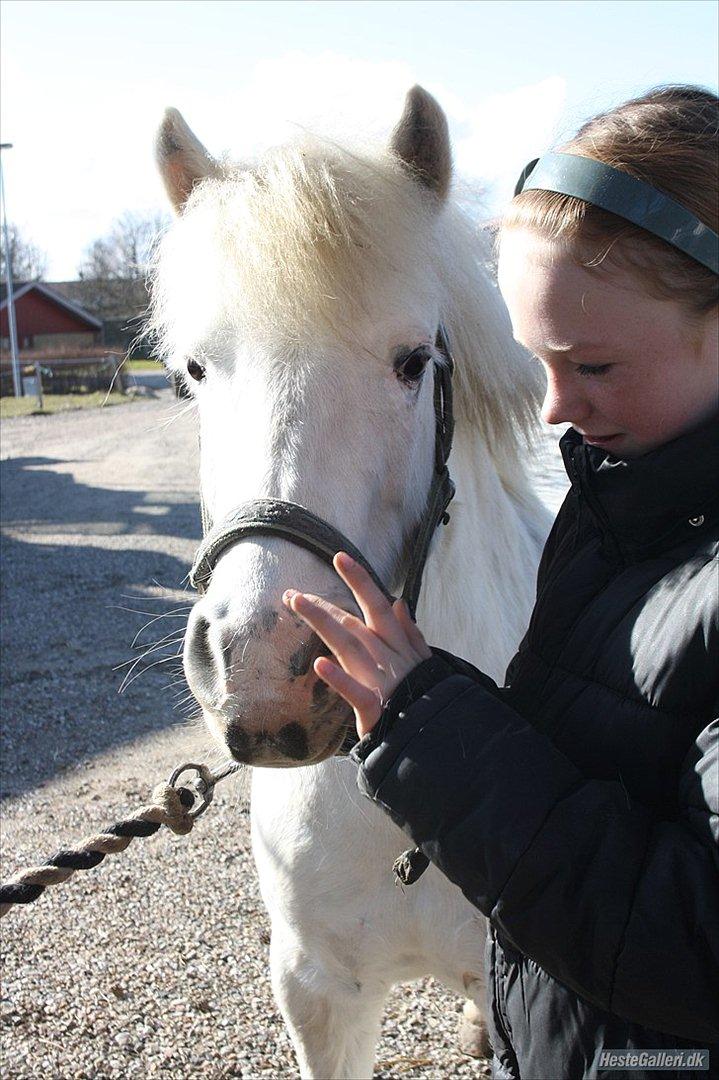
x=409 y=366
x=195 y=370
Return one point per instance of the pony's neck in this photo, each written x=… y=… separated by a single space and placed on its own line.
x=478 y=585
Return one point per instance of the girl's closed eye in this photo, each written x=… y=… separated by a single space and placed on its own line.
x=593 y=369
x=587 y=370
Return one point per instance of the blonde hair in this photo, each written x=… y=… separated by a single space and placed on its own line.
x=666 y=138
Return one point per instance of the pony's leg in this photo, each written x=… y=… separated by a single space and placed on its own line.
x=333 y=1019
x=473 y=1033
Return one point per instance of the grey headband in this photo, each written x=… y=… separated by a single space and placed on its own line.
x=621 y=194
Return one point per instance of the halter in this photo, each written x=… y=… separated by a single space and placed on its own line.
x=290 y=521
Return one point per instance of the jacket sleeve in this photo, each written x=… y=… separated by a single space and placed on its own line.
x=619 y=906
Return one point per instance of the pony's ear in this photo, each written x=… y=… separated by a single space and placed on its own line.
x=421 y=140
x=181 y=157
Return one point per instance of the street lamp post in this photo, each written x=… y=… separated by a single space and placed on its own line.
x=12 y=326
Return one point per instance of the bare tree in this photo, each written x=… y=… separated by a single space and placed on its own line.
x=27 y=261
x=124 y=253
x=114 y=266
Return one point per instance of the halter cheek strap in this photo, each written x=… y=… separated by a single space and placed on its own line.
x=621 y=194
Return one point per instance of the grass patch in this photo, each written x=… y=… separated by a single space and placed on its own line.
x=52 y=403
x=143 y=365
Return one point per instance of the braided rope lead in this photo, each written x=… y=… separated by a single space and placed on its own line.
x=175 y=807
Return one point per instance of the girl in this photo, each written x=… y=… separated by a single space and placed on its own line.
x=578 y=806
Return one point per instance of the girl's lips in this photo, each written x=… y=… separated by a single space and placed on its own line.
x=600 y=440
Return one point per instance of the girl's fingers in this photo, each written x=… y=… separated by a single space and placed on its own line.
x=347 y=636
x=372 y=658
x=366 y=703
x=378 y=612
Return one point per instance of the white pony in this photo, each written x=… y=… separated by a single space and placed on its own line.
x=300 y=297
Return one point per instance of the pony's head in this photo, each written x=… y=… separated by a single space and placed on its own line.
x=300 y=299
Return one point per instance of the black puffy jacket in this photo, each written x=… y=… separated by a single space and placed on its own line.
x=578 y=807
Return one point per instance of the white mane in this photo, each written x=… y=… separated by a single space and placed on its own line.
x=314 y=234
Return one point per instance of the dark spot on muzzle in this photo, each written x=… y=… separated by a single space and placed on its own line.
x=238 y=741
x=267 y=619
x=320 y=693
x=291 y=740
x=302 y=658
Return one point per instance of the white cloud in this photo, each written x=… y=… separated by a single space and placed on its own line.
x=508 y=130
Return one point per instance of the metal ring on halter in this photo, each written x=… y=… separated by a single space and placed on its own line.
x=202 y=787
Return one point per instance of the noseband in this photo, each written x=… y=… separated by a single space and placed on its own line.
x=290 y=521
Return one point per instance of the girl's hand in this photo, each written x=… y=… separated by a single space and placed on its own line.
x=372 y=656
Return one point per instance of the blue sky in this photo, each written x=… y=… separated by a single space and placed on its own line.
x=84 y=85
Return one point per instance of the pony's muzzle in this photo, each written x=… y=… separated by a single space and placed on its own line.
x=257 y=687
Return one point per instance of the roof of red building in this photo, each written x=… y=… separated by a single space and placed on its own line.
x=24 y=287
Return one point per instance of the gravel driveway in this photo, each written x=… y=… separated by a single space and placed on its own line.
x=156 y=962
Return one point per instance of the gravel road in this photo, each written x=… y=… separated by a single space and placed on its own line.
x=156 y=962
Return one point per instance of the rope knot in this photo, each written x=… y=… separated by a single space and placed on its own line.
x=410 y=866
x=175 y=815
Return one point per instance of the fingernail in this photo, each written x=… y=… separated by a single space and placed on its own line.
x=288 y=594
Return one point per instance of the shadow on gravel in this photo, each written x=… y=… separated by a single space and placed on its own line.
x=64 y=630
x=35 y=496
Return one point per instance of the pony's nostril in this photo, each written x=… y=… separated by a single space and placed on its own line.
x=200 y=665
x=201 y=642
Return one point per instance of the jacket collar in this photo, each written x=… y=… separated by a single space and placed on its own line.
x=647 y=501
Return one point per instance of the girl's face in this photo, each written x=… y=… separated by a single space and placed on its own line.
x=628 y=371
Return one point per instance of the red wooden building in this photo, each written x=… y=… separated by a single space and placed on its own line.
x=47 y=320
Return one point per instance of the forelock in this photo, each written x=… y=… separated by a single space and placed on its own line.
x=315 y=239
x=307 y=240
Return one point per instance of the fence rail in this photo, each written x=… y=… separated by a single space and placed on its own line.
x=69 y=375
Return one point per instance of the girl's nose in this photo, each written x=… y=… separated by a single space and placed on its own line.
x=564 y=403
